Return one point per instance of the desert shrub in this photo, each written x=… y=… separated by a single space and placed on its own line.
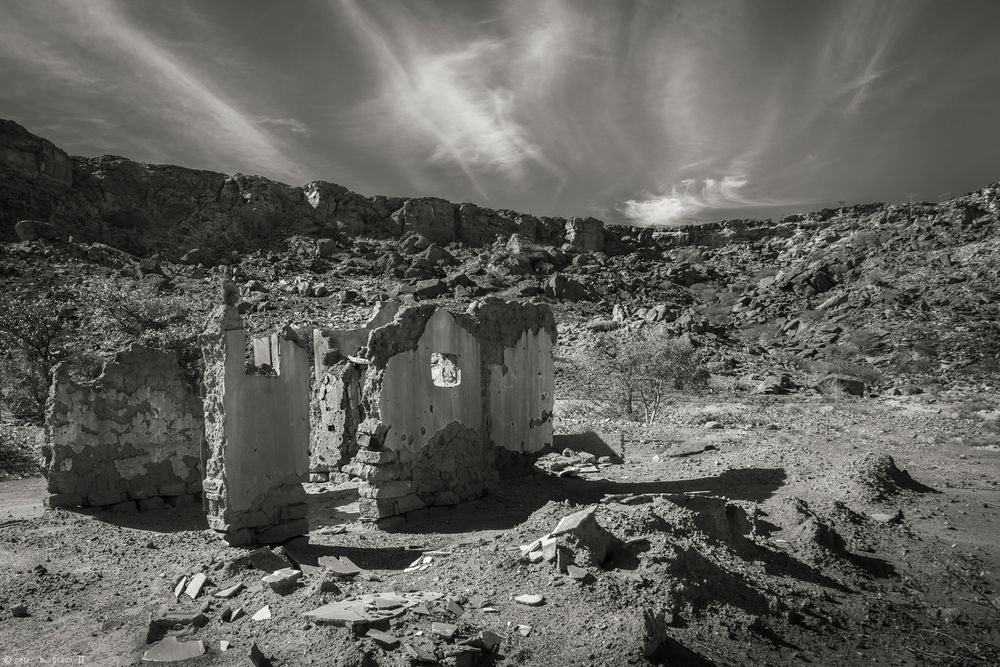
x=760 y=334
x=30 y=336
x=137 y=314
x=633 y=376
x=832 y=366
x=134 y=313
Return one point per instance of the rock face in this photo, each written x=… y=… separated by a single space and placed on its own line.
x=430 y=217
x=142 y=207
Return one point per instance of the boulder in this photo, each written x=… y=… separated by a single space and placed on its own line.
x=586 y=234
x=429 y=216
x=35 y=230
x=560 y=286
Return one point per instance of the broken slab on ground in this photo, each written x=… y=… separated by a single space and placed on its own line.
x=257 y=432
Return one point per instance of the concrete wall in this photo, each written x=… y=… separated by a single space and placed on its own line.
x=421 y=444
x=411 y=406
x=257 y=428
x=521 y=394
x=130 y=439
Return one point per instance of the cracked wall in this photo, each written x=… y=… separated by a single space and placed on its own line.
x=257 y=431
x=432 y=439
x=337 y=393
x=130 y=439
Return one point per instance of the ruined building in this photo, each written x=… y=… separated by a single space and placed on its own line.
x=444 y=401
x=426 y=406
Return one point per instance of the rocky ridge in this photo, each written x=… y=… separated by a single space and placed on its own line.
x=889 y=293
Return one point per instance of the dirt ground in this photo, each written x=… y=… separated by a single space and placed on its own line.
x=786 y=536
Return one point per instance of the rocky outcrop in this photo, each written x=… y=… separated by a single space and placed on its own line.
x=145 y=207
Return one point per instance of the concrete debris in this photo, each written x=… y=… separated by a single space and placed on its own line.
x=485 y=640
x=370 y=608
x=524 y=630
x=263 y=614
x=342 y=567
x=227 y=593
x=419 y=653
x=193 y=589
x=446 y=630
x=577 y=573
x=179 y=588
x=383 y=639
x=224 y=645
x=282 y=581
x=257 y=657
x=530 y=600
x=229 y=614
x=421 y=563
x=166 y=620
x=170 y=649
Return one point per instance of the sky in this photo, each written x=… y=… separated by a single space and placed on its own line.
x=656 y=112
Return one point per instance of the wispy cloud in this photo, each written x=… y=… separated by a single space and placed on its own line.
x=449 y=99
x=290 y=124
x=98 y=50
x=687 y=198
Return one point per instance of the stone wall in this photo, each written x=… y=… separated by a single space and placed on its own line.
x=130 y=439
x=257 y=430
x=433 y=439
x=336 y=397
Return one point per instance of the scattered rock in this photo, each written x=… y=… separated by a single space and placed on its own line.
x=171 y=649
x=530 y=600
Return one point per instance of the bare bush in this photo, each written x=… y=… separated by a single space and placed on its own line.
x=30 y=332
x=634 y=376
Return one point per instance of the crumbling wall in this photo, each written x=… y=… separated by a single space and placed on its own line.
x=521 y=393
x=131 y=439
x=257 y=429
x=335 y=409
x=443 y=392
x=336 y=414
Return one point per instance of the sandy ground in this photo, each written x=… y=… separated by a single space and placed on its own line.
x=784 y=537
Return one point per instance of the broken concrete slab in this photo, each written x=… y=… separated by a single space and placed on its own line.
x=342 y=567
x=445 y=630
x=229 y=614
x=530 y=600
x=263 y=614
x=484 y=640
x=226 y=593
x=171 y=649
x=179 y=588
x=577 y=573
x=420 y=654
x=193 y=589
x=383 y=639
x=282 y=581
x=166 y=620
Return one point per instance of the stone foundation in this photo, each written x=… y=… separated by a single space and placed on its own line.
x=129 y=440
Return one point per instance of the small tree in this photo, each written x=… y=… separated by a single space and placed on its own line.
x=29 y=334
x=636 y=375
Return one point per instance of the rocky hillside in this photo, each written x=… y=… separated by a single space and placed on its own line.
x=893 y=294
